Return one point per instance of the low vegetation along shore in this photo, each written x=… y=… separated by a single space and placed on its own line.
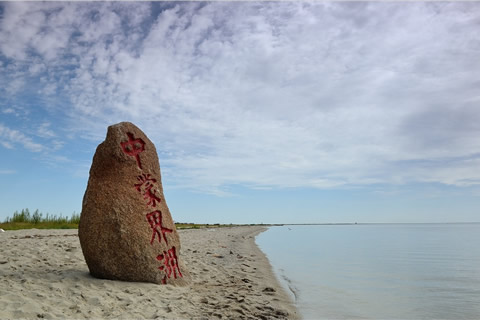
x=37 y=220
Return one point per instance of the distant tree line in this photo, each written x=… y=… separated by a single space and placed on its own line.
x=37 y=217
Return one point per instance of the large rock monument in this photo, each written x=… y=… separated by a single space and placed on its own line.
x=126 y=230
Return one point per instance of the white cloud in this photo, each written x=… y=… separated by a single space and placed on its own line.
x=6 y=144
x=11 y=137
x=19 y=26
x=13 y=110
x=36 y=68
x=7 y=171
x=15 y=86
x=44 y=131
x=289 y=94
x=8 y=111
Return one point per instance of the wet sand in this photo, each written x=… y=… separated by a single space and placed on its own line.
x=43 y=275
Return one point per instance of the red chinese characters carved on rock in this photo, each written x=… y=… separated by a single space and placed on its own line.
x=133 y=147
x=146 y=181
x=155 y=220
x=170 y=264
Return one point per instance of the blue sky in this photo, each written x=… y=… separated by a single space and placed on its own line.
x=260 y=111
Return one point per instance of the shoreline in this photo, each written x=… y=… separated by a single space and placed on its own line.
x=44 y=275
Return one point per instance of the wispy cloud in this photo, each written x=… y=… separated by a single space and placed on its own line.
x=11 y=137
x=289 y=94
x=6 y=144
x=7 y=171
x=44 y=131
x=8 y=111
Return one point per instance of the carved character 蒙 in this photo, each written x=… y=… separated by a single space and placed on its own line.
x=146 y=181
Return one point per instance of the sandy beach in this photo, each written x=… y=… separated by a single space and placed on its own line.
x=43 y=275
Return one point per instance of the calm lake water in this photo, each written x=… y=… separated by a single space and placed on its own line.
x=381 y=271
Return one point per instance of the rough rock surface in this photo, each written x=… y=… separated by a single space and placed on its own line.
x=126 y=230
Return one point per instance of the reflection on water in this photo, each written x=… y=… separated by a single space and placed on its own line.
x=385 y=271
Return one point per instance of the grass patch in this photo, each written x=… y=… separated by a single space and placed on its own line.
x=26 y=220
